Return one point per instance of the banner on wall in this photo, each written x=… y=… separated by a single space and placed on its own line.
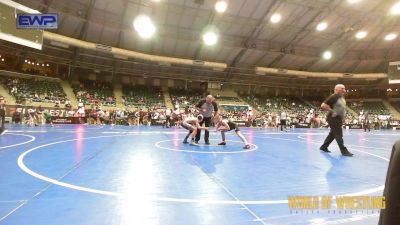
x=354 y=126
x=68 y=120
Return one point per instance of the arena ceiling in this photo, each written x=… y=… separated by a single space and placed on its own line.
x=247 y=38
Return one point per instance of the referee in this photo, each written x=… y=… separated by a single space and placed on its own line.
x=206 y=108
x=336 y=105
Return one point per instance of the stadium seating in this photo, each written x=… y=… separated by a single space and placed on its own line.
x=185 y=98
x=227 y=99
x=372 y=108
x=396 y=105
x=35 y=90
x=274 y=104
x=94 y=92
x=234 y=108
x=393 y=93
x=142 y=96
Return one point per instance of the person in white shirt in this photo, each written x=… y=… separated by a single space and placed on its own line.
x=264 y=122
x=177 y=116
x=192 y=124
x=361 y=117
x=81 y=109
x=100 y=116
x=249 y=116
x=32 y=116
x=154 y=117
x=168 y=113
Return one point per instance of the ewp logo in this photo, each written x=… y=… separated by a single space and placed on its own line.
x=37 y=21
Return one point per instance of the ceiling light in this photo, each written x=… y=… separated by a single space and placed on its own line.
x=390 y=37
x=48 y=64
x=2 y=59
x=276 y=18
x=361 y=34
x=322 y=26
x=395 y=10
x=210 y=38
x=19 y=40
x=327 y=55
x=144 y=26
x=26 y=60
x=59 y=44
x=23 y=8
x=353 y=1
x=221 y=6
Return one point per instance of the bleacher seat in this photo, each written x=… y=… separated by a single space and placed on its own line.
x=227 y=99
x=94 y=92
x=35 y=90
x=274 y=104
x=372 y=108
x=185 y=98
x=142 y=96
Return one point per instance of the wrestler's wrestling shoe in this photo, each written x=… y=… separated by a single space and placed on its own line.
x=324 y=149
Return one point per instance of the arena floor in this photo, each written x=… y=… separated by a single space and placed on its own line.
x=144 y=175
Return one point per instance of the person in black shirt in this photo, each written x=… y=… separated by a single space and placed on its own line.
x=113 y=117
x=336 y=105
x=391 y=213
x=366 y=123
x=142 y=114
x=2 y=115
x=17 y=115
x=206 y=108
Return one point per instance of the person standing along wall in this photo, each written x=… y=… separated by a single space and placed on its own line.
x=2 y=115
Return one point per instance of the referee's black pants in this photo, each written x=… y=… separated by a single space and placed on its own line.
x=366 y=127
x=207 y=121
x=283 y=123
x=3 y=118
x=335 y=123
